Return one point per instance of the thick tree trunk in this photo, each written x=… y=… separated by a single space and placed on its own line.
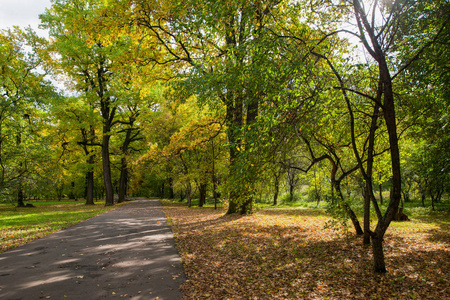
x=202 y=191
x=90 y=188
x=378 y=255
x=20 y=196
x=291 y=192
x=234 y=120
x=247 y=207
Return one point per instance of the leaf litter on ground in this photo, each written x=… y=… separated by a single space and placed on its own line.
x=288 y=254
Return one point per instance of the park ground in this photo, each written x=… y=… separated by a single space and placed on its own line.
x=275 y=253
x=288 y=253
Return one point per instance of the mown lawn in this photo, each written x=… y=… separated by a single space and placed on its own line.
x=285 y=253
x=22 y=225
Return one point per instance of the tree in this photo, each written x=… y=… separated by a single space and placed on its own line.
x=378 y=26
x=23 y=93
x=87 y=62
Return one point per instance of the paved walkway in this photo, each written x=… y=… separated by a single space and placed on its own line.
x=126 y=253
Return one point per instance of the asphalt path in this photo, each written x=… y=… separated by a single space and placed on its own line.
x=126 y=253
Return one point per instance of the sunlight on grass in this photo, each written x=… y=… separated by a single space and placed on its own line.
x=19 y=226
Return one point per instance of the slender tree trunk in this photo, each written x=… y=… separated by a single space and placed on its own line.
x=171 y=191
x=351 y=214
x=109 y=191
x=432 y=200
x=277 y=190
x=366 y=238
x=189 y=194
x=20 y=197
x=161 y=191
x=214 y=178
x=380 y=189
x=215 y=192
x=368 y=194
x=123 y=180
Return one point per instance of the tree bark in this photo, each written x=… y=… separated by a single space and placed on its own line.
x=171 y=191
x=90 y=188
x=20 y=196
x=380 y=189
x=234 y=120
x=351 y=214
x=123 y=180
x=277 y=190
x=378 y=255
x=202 y=191
x=109 y=191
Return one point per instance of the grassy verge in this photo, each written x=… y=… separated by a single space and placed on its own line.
x=285 y=253
x=22 y=225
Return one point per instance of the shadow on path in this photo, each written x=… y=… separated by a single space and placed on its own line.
x=126 y=253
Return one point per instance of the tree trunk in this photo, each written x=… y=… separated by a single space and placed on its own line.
x=20 y=197
x=234 y=120
x=277 y=190
x=202 y=191
x=291 y=192
x=432 y=200
x=378 y=255
x=351 y=214
x=214 y=180
x=247 y=207
x=171 y=191
x=109 y=191
x=366 y=238
x=123 y=180
x=380 y=189
x=72 y=191
x=161 y=191
x=189 y=194
x=90 y=188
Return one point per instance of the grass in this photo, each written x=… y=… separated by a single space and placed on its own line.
x=19 y=226
x=287 y=253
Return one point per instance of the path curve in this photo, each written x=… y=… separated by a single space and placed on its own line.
x=127 y=253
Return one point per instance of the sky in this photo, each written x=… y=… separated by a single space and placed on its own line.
x=22 y=13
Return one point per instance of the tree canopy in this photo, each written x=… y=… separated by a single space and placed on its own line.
x=239 y=102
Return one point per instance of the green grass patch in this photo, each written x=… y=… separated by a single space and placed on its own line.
x=19 y=226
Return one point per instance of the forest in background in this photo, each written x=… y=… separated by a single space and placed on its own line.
x=332 y=102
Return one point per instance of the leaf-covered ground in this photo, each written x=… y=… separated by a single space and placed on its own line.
x=287 y=254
